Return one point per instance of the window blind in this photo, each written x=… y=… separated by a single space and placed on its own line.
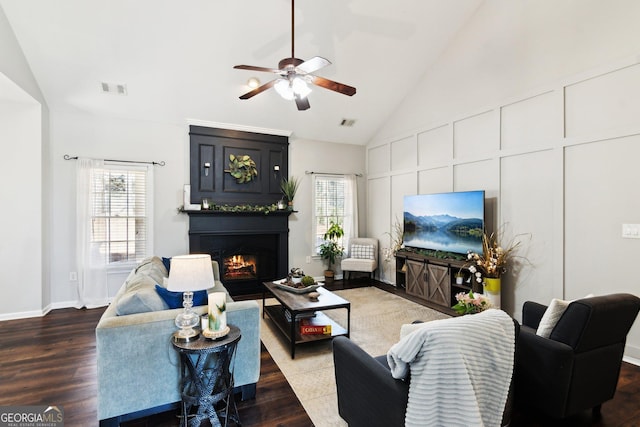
x=119 y=200
x=328 y=205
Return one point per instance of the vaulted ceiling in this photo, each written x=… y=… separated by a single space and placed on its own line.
x=176 y=57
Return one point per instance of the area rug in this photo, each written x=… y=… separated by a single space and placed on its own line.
x=376 y=318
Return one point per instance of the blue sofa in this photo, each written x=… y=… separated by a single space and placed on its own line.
x=138 y=369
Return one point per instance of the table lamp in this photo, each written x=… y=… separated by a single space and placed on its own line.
x=189 y=273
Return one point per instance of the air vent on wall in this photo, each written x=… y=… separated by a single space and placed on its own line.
x=114 y=88
x=347 y=122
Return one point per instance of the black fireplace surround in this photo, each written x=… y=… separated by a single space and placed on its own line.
x=261 y=237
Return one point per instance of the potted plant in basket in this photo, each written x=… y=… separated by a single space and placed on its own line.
x=330 y=249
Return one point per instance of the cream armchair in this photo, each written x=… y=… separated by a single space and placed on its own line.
x=362 y=255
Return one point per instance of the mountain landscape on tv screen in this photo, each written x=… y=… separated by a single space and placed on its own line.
x=443 y=233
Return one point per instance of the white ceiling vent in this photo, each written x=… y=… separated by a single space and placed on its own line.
x=114 y=88
x=347 y=122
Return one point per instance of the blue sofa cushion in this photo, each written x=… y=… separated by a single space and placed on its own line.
x=167 y=263
x=174 y=299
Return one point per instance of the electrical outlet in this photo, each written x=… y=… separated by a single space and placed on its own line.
x=73 y=276
x=308 y=259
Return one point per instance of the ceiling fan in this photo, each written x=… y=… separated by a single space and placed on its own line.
x=295 y=75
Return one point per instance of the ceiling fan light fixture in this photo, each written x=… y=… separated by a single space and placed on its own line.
x=295 y=76
x=253 y=82
x=300 y=87
x=284 y=89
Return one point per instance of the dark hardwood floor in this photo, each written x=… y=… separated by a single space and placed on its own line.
x=52 y=361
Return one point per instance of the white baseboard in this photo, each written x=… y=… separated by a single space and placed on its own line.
x=65 y=304
x=25 y=314
x=321 y=278
x=44 y=311
x=631 y=360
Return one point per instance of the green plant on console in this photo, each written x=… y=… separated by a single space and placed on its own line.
x=330 y=249
x=242 y=168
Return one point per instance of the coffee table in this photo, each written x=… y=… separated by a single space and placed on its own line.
x=300 y=306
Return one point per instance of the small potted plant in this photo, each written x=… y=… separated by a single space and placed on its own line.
x=289 y=188
x=459 y=277
x=308 y=281
x=330 y=249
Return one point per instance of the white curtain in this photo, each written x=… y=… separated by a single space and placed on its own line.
x=350 y=209
x=92 y=273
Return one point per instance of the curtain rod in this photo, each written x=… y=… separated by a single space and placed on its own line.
x=161 y=163
x=329 y=173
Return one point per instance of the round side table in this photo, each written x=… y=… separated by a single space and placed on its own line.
x=206 y=368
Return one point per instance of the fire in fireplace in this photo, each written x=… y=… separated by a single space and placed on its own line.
x=240 y=267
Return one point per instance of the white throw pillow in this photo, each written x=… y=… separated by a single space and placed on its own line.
x=551 y=317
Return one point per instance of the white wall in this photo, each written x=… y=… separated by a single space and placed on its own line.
x=306 y=155
x=24 y=139
x=20 y=196
x=536 y=102
x=84 y=135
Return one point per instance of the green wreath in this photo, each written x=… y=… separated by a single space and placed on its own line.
x=242 y=168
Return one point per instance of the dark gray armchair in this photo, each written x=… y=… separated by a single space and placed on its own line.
x=577 y=367
x=368 y=396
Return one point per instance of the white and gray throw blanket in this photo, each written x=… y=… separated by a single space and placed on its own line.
x=460 y=369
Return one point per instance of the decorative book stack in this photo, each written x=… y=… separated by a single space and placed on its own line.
x=307 y=327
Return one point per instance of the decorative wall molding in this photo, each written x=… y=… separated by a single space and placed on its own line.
x=524 y=170
x=243 y=128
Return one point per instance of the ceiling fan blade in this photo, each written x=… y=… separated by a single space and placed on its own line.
x=259 y=89
x=302 y=103
x=253 y=68
x=335 y=86
x=313 y=64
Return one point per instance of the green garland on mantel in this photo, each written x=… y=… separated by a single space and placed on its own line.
x=266 y=209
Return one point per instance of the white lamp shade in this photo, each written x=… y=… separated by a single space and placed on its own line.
x=190 y=273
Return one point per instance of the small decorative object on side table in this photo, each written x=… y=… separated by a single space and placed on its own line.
x=206 y=368
x=216 y=326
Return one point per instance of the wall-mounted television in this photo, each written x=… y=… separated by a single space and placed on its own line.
x=449 y=222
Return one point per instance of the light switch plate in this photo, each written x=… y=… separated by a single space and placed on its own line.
x=631 y=231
